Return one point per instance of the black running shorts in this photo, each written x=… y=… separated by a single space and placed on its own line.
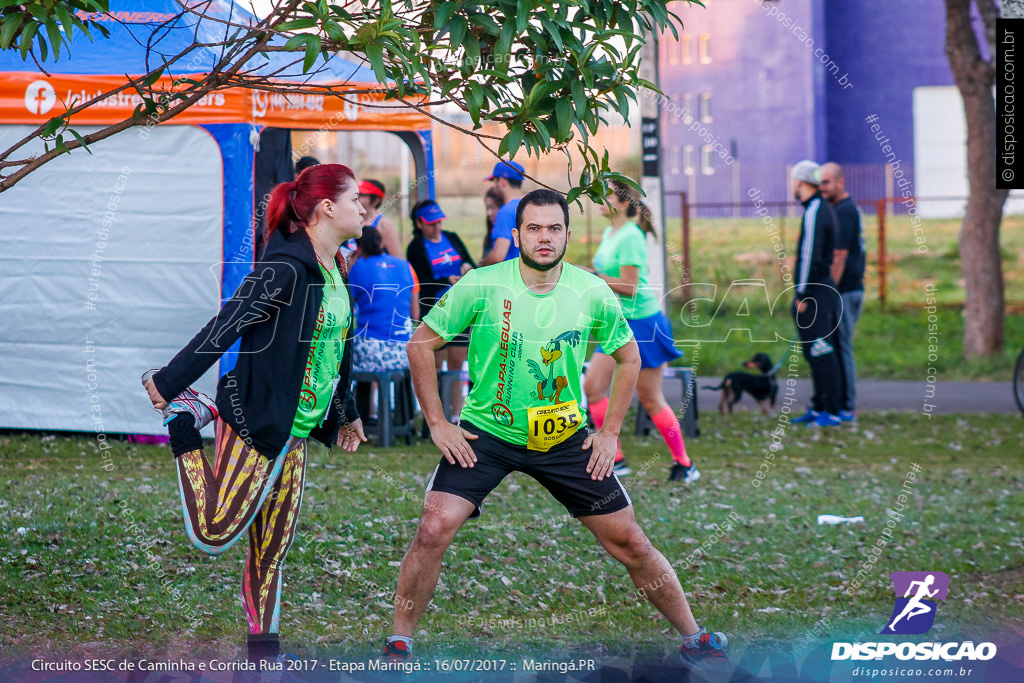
x=561 y=470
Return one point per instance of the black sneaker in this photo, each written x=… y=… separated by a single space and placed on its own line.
x=684 y=473
x=707 y=654
x=621 y=469
x=396 y=651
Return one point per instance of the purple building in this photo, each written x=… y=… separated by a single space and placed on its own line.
x=755 y=86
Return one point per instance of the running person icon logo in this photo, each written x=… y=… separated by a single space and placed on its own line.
x=914 y=612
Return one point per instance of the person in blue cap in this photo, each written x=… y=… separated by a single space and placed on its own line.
x=508 y=178
x=439 y=259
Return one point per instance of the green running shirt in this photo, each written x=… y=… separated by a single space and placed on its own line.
x=526 y=350
x=627 y=246
x=325 y=350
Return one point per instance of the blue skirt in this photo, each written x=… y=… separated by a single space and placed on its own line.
x=654 y=337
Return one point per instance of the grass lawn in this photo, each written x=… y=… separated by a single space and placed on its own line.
x=96 y=559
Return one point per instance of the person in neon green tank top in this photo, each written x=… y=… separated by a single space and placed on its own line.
x=531 y=317
x=621 y=261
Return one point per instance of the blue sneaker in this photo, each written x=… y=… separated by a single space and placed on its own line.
x=847 y=415
x=826 y=419
x=806 y=418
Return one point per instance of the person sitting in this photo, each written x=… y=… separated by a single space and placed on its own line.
x=386 y=294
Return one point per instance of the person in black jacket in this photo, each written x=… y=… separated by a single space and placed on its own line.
x=817 y=305
x=439 y=259
x=293 y=317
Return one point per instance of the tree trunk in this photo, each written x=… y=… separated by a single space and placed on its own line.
x=984 y=307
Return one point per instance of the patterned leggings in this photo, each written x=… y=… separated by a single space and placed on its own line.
x=243 y=490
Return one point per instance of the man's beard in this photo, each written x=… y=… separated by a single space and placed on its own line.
x=541 y=266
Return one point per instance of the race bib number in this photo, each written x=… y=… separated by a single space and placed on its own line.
x=551 y=425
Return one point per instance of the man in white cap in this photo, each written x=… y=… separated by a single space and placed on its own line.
x=817 y=304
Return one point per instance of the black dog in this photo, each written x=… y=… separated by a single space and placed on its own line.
x=762 y=387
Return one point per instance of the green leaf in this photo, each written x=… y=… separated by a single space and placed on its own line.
x=334 y=31
x=543 y=136
x=375 y=53
x=152 y=78
x=26 y=38
x=474 y=101
x=312 y=52
x=564 y=114
x=444 y=14
x=51 y=126
x=296 y=41
x=472 y=47
x=80 y=139
x=579 y=95
x=457 y=31
x=503 y=48
x=296 y=24
x=486 y=22
x=552 y=31
x=515 y=139
x=10 y=25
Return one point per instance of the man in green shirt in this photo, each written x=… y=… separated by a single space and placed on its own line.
x=531 y=319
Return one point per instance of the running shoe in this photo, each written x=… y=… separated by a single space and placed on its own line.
x=189 y=402
x=396 y=651
x=684 y=473
x=708 y=653
x=826 y=419
x=621 y=469
x=847 y=415
x=807 y=418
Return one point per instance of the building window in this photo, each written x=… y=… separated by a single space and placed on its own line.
x=672 y=47
x=688 y=160
x=687 y=112
x=707 y=163
x=705 y=54
x=705 y=107
x=673 y=160
x=684 y=45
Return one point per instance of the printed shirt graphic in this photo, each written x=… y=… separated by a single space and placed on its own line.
x=325 y=350
x=526 y=350
x=627 y=246
x=504 y=222
x=444 y=258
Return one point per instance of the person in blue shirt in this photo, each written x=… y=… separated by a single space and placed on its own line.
x=386 y=294
x=386 y=299
x=439 y=259
x=508 y=179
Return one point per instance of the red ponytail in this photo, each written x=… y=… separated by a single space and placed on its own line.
x=292 y=204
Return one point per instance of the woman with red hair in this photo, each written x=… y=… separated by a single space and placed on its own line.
x=293 y=317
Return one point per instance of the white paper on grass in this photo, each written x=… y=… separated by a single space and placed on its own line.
x=156 y=280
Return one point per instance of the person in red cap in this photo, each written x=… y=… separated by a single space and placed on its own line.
x=371 y=196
